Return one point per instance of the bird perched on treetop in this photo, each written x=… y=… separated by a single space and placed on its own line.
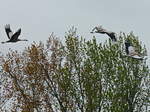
x=13 y=37
x=99 y=29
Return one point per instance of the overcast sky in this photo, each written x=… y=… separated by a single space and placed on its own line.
x=38 y=18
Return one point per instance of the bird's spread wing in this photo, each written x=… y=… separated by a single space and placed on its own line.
x=133 y=53
x=98 y=29
x=16 y=35
x=93 y=30
x=112 y=35
x=137 y=57
x=8 y=31
x=131 y=50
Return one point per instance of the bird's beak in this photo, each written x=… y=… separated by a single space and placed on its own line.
x=2 y=42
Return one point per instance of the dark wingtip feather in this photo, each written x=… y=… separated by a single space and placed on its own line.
x=8 y=30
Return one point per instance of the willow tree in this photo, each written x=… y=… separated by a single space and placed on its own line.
x=75 y=76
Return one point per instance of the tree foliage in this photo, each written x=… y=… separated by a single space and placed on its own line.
x=75 y=76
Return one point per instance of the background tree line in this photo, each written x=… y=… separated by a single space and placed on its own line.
x=76 y=76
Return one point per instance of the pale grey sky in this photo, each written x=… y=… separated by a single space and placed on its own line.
x=38 y=18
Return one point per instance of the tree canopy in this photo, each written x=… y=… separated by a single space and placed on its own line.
x=78 y=75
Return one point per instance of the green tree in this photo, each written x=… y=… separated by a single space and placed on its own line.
x=75 y=76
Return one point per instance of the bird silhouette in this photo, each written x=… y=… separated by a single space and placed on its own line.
x=130 y=51
x=13 y=37
x=99 y=29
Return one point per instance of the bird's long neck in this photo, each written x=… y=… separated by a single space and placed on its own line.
x=22 y=40
x=5 y=42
